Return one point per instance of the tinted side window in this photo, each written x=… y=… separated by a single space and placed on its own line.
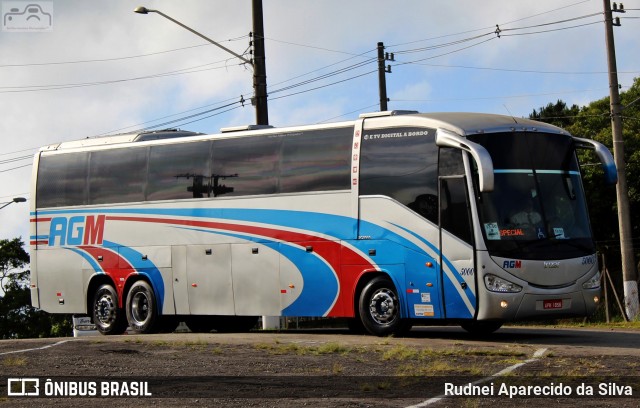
x=179 y=171
x=454 y=205
x=316 y=161
x=62 y=180
x=117 y=176
x=245 y=166
x=401 y=163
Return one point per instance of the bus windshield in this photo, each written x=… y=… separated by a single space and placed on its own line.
x=537 y=209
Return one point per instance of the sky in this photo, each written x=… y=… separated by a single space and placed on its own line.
x=99 y=68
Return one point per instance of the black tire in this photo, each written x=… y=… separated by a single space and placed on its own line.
x=142 y=310
x=107 y=316
x=379 y=308
x=481 y=328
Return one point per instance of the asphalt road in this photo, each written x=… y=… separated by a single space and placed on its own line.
x=331 y=367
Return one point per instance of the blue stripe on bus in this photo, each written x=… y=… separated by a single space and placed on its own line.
x=87 y=257
x=143 y=267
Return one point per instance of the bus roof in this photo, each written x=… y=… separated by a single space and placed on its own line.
x=465 y=123
x=462 y=123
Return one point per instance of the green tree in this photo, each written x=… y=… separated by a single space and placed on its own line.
x=557 y=114
x=18 y=319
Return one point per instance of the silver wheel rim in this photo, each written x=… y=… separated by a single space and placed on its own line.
x=140 y=308
x=105 y=310
x=383 y=306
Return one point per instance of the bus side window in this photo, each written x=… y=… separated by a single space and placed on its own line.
x=117 y=175
x=62 y=180
x=179 y=171
x=400 y=163
x=246 y=166
x=454 y=202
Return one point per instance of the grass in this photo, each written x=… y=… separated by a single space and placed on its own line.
x=14 y=362
x=570 y=324
x=301 y=350
x=400 y=353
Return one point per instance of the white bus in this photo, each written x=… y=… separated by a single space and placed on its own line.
x=391 y=220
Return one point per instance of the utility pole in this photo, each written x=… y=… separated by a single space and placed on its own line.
x=259 y=99
x=629 y=272
x=259 y=66
x=382 y=79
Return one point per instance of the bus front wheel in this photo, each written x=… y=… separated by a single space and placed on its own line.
x=141 y=308
x=107 y=316
x=379 y=308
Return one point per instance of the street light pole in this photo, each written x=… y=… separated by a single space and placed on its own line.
x=259 y=72
x=15 y=200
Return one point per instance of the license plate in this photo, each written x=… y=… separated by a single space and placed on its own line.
x=552 y=304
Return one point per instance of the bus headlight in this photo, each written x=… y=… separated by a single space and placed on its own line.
x=592 y=283
x=496 y=284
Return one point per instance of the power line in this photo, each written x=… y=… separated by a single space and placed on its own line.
x=497 y=97
x=325 y=76
x=489 y=27
x=324 y=67
x=15 y=168
x=324 y=86
x=191 y=116
x=554 y=22
x=114 y=58
x=443 y=45
x=552 y=30
x=546 y=12
x=525 y=71
x=311 y=46
x=206 y=117
x=348 y=113
x=446 y=53
x=50 y=87
x=15 y=159
x=110 y=132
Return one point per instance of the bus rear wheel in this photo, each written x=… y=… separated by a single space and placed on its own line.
x=379 y=308
x=142 y=312
x=107 y=316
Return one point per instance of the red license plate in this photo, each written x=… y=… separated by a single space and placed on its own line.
x=552 y=304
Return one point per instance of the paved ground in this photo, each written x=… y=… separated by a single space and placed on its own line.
x=329 y=368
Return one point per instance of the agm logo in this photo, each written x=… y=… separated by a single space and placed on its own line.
x=512 y=264
x=78 y=230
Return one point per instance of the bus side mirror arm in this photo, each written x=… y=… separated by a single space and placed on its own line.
x=608 y=165
x=446 y=138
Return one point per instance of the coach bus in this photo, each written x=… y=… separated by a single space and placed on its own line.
x=391 y=220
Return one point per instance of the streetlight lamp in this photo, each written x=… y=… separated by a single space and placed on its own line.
x=259 y=70
x=15 y=200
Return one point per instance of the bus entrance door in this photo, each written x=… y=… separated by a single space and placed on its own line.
x=457 y=263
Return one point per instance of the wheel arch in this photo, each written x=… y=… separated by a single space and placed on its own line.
x=367 y=276
x=95 y=282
